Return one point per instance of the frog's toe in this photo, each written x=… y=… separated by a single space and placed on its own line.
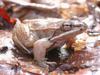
x=41 y=64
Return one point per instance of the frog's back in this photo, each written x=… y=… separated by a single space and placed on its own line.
x=45 y=27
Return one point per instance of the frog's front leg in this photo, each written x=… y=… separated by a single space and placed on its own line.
x=40 y=49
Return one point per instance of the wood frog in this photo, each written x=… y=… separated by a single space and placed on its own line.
x=43 y=34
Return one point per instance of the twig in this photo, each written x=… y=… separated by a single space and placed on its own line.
x=43 y=7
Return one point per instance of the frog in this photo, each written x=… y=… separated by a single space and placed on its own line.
x=38 y=36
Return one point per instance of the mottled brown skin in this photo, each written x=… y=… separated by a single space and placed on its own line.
x=36 y=34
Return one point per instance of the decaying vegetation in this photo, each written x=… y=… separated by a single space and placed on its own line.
x=49 y=37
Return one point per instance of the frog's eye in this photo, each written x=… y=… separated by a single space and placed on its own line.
x=66 y=26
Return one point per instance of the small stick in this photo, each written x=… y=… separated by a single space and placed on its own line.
x=34 y=5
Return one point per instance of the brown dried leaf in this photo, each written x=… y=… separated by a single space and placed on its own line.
x=79 y=45
x=74 y=10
